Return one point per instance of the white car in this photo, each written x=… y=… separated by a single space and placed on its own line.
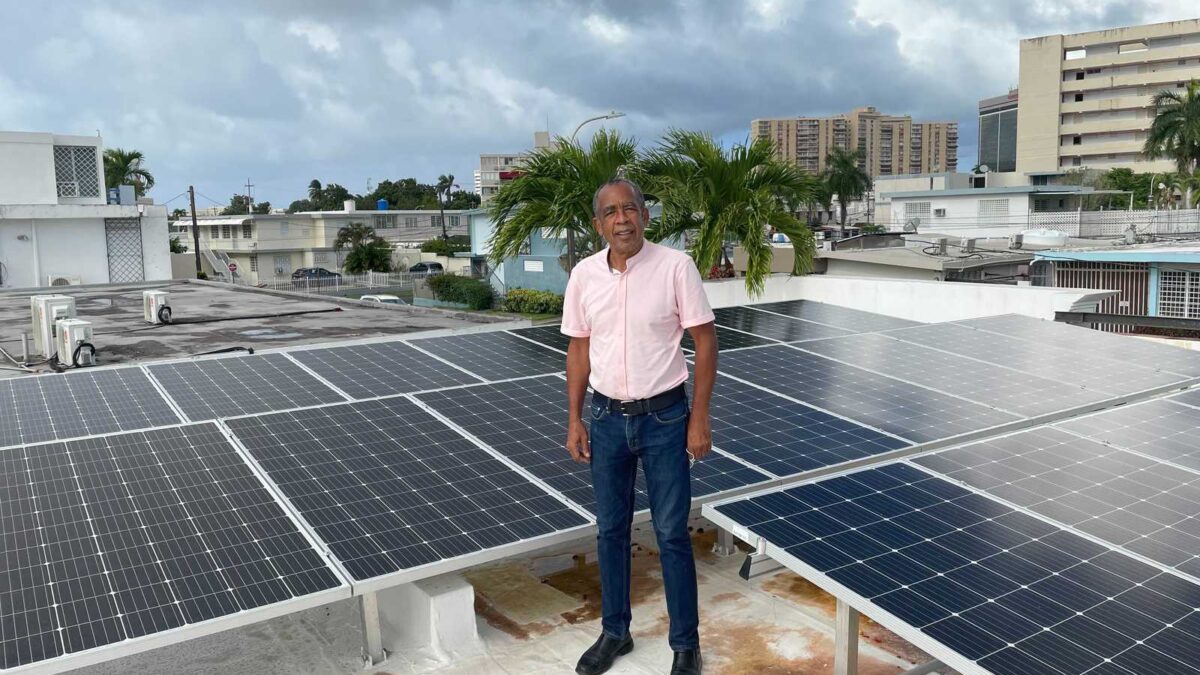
x=383 y=299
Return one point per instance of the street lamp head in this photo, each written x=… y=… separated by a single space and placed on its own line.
x=613 y=114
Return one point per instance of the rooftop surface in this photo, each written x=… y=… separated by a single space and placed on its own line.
x=122 y=337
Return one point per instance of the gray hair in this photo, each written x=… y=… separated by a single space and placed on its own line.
x=619 y=179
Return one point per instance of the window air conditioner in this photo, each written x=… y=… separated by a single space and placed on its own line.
x=68 y=188
x=63 y=280
x=940 y=213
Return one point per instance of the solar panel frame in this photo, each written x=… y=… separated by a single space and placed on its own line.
x=352 y=513
x=547 y=336
x=774 y=326
x=377 y=369
x=728 y=339
x=81 y=403
x=230 y=386
x=854 y=320
x=93 y=477
x=536 y=442
x=494 y=355
x=1068 y=567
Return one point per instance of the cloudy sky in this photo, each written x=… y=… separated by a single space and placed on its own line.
x=282 y=91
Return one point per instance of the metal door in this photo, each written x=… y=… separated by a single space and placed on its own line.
x=124 y=237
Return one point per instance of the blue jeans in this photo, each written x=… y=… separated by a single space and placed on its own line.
x=660 y=441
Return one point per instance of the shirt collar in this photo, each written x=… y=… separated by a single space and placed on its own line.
x=636 y=258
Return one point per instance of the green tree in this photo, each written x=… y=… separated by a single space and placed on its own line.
x=554 y=191
x=462 y=200
x=846 y=179
x=444 y=186
x=728 y=195
x=1175 y=131
x=239 y=205
x=262 y=208
x=126 y=167
x=176 y=214
x=315 y=191
x=368 y=251
x=177 y=246
x=301 y=205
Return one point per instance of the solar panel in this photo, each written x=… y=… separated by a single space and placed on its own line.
x=49 y=407
x=727 y=339
x=1191 y=398
x=774 y=326
x=1000 y=590
x=996 y=386
x=526 y=421
x=1130 y=501
x=112 y=538
x=551 y=336
x=840 y=317
x=1138 y=352
x=1063 y=362
x=388 y=487
x=784 y=437
x=1159 y=428
x=496 y=355
x=212 y=388
x=898 y=408
x=380 y=369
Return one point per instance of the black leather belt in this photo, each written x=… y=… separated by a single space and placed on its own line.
x=641 y=406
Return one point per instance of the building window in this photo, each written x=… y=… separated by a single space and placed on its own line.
x=1072 y=54
x=385 y=222
x=453 y=221
x=435 y=221
x=1077 y=140
x=227 y=232
x=246 y=227
x=214 y=232
x=993 y=208
x=253 y=262
x=283 y=230
x=1078 y=98
x=1079 y=75
x=75 y=171
x=1131 y=47
x=1179 y=294
x=526 y=246
x=410 y=222
x=917 y=210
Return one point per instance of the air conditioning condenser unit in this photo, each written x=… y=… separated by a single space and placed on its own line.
x=75 y=346
x=47 y=310
x=156 y=307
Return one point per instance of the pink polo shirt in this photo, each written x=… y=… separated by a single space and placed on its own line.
x=635 y=319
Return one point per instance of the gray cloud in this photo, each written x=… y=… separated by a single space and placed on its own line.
x=284 y=91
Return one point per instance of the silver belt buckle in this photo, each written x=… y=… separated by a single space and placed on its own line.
x=621 y=404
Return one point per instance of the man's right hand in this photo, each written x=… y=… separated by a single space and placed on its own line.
x=577 y=442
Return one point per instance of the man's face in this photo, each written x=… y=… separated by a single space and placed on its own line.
x=620 y=220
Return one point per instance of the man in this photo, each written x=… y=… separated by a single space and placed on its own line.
x=626 y=309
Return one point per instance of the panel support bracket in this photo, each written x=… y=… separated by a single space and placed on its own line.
x=845 y=643
x=757 y=564
x=925 y=668
x=726 y=545
x=373 y=651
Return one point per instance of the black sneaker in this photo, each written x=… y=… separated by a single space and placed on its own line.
x=600 y=656
x=687 y=663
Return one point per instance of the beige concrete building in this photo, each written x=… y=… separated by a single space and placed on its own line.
x=496 y=169
x=1085 y=98
x=890 y=144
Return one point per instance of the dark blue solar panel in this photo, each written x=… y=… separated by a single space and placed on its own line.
x=834 y=315
x=774 y=326
x=784 y=437
x=526 y=421
x=1162 y=429
x=1000 y=587
x=727 y=339
x=551 y=336
x=495 y=355
x=899 y=408
x=380 y=369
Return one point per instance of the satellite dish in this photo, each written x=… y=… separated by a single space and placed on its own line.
x=911 y=225
x=984 y=168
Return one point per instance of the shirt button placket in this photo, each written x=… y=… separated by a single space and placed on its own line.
x=622 y=289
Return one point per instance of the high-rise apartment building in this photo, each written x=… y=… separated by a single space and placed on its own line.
x=1085 y=98
x=890 y=144
x=495 y=169
x=998 y=132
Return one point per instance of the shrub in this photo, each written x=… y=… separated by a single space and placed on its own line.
x=529 y=301
x=457 y=244
x=473 y=293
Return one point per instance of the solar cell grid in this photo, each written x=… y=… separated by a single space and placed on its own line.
x=784 y=437
x=117 y=537
x=551 y=336
x=841 y=317
x=774 y=326
x=48 y=407
x=919 y=415
x=1191 y=398
x=1001 y=588
x=494 y=355
x=526 y=422
x=388 y=487
x=212 y=388
x=1138 y=352
x=1159 y=428
x=1128 y=500
x=1024 y=394
x=1062 y=362
x=380 y=369
x=727 y=339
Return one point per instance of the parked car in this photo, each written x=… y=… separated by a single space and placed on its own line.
x=315 y=273
x=383 y=300
x=426 y=268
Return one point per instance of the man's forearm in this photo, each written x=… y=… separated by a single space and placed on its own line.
x=578 y=369
x=706 y=368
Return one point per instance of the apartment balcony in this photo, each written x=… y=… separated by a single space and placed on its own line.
x=1119 y=103
x=1113 y=148
x=1159 y=79
x=1159 y=55
x=1102 y=126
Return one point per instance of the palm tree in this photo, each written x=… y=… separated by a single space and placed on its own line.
x=124 y=167
x=846 y=179
x=1167 y=185
x=723 y=195
x=1175 y=132
x=368 y=252
x=554 y=191
x=444 y=185
x=315 y=191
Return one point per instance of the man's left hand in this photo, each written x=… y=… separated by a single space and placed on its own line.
x=699 y=438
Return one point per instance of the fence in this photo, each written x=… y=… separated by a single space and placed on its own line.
x=346 y=283
x=1116 y=223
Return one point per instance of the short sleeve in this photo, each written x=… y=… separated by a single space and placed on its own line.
x=574 y=321
x=690 y=298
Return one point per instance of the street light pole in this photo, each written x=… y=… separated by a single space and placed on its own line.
x=610 y=115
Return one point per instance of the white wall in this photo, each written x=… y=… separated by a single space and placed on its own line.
x=156 y=244
x=926 y=301
x=27 y=169
x=962 y=215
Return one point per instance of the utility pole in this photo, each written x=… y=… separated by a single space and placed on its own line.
x=249 y=203
x=195 y=231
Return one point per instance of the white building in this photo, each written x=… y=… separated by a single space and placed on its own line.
x=56 y=225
